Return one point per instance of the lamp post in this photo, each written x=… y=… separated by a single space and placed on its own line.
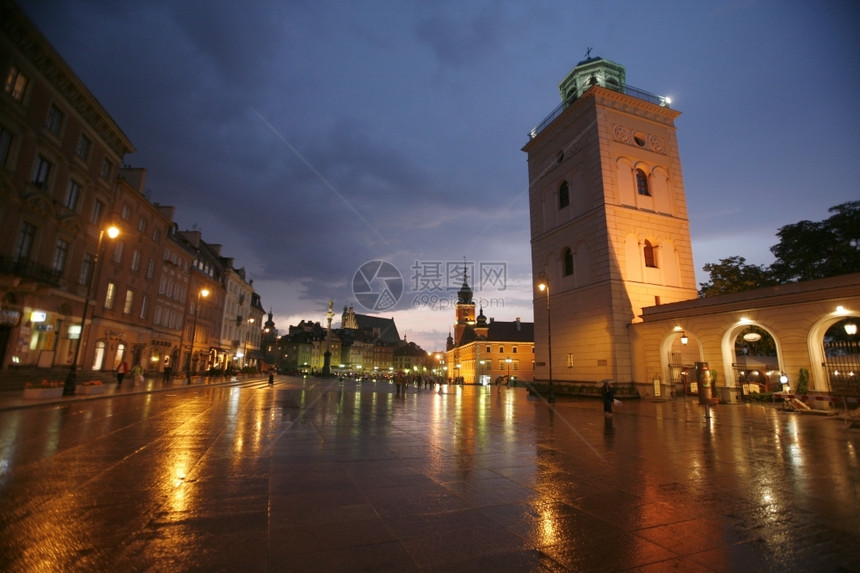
x=544 y=286
x=72 y=379
x=201 y=293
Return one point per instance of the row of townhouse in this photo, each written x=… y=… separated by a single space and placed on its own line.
x=72 y=293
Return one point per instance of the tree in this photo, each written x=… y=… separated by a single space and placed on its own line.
x=734 y=275
x=813 y=250
x=807 y=250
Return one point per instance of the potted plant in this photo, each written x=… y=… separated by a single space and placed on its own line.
x=45 y=389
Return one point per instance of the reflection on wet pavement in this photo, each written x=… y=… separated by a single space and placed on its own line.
x=318 y=474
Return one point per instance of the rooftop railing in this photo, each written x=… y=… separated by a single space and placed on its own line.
x=625 y=89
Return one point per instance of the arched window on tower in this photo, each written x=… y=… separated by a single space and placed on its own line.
x=563 y=195
x=568 y=262
x=642 y=183
x=648 y=251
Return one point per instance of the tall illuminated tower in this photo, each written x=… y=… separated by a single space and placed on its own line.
x=609 y=225
x=464 y=309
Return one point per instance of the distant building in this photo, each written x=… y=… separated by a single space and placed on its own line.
x=363 y=344
x=480 y=351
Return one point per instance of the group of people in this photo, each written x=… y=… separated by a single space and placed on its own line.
x=136 y=372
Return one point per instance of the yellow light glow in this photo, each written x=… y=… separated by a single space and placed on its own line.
x=204 y=292
x=113 y=232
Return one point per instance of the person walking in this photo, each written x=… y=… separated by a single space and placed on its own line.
x=167 y=372
x=608 y=393
x=121 y=371
x=137 y=374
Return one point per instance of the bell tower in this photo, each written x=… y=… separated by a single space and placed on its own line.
x=609 y=225
x=465 y=309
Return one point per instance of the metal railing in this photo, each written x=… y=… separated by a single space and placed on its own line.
x=29 y=270
x=625 y=89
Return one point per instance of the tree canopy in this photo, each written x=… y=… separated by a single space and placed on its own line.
x=806 y=250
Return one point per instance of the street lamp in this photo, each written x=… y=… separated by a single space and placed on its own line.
x=544 y=286
x=72 y=378
x=201 y=293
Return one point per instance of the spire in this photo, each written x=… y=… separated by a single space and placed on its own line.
x=482 y=320
x=464 y=295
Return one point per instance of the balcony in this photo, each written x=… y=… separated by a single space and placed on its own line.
x=30 y=271
x=625 y=89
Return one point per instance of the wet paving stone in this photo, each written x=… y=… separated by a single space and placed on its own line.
x=320 y=475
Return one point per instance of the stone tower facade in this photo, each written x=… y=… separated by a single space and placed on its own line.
x=609 y=225
x=464 y=309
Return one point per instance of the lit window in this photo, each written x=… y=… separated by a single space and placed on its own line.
x=16 y=83
x=642 y=183
x=110 y=295
x=129 y=300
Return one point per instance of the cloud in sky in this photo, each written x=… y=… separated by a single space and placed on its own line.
x=311 y=137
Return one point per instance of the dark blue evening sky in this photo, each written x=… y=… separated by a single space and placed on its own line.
x=309 y=137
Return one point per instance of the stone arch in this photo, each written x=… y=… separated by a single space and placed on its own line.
x=818 y=379
x=727 y=344
x=581 y=263
x=660 y=190
x=671 y=346
x=624 y=174
x=643 y=201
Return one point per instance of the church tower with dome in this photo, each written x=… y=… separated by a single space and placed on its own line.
x=609 y=228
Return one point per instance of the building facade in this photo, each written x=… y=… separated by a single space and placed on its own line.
x=611 y=248
x=59 y=158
